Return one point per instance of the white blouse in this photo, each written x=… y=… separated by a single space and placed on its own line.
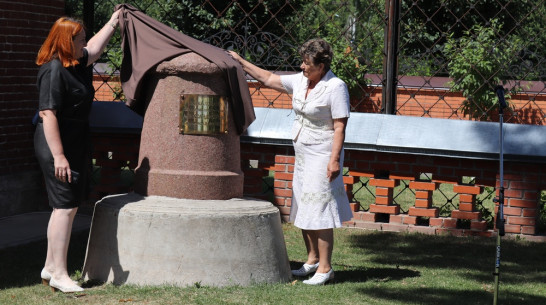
x=329 y=100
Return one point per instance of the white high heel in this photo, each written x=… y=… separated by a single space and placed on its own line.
x=306 y=269
x=65 y=289
x=320 y=278
x=46 y=277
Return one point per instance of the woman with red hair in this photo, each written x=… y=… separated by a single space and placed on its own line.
x=61 y=137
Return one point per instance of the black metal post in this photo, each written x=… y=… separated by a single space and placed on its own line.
x=500 y=215
x=89 y=16
x=390 y=63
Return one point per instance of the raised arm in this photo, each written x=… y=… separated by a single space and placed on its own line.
x=265 y=77
x=97 y=44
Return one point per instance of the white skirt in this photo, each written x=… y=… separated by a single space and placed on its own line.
x=316 y=203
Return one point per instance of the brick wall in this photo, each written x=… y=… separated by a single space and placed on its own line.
x=24 y=26
x=105 y=86
x=528 y=108
x=523 y=183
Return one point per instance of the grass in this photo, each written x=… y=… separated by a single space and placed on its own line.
x=371 y=268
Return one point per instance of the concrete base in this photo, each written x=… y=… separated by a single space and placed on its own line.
x=159 y=240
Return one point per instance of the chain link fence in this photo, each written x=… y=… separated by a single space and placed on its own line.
x=428 y=58
x=435 y=58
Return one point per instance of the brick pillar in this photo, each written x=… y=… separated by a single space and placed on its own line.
x=349 y=181
x=521 y=199
x=467 y=209
x=284 y=173
x=25 y=26
x=355 y=206
x=384 y=189
x=423 y=199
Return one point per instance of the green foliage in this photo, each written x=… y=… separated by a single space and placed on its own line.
x=355 y=28
x=427 y=24
x=348 y=65
x=541 y=221
x=478 y=62
x=355 y=31
x=201 y=19
x=531 y=63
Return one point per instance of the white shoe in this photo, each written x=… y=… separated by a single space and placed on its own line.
x=46 y=277
x=320 y=278
x=306 y=269
x=66 y=289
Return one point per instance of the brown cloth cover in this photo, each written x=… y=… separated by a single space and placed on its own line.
x=147 y=42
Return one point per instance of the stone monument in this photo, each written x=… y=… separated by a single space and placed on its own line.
x=187 y=222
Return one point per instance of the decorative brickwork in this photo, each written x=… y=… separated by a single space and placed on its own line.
x=522 y=192
x=275 y=164
x=423 y=199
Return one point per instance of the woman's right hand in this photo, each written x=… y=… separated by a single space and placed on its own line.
x=267 y=78
x=53 y=139
x=62 y=168
x=236 y=56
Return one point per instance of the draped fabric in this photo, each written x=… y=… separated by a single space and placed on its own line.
x=147 y=42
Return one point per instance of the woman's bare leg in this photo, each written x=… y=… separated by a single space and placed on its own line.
x=325 y=245
x=311 y=243
x=59 y=231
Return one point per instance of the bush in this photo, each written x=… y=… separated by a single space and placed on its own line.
x=478 y=62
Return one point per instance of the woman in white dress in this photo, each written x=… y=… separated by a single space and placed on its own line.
x=320 y=101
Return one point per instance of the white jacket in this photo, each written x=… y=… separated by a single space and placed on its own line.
x=329 y=100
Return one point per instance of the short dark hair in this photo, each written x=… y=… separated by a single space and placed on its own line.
x=318 y=51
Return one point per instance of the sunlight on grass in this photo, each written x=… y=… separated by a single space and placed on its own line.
x=371 y=268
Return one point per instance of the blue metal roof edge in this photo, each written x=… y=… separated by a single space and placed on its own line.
x=415 y=135
x=373 y=132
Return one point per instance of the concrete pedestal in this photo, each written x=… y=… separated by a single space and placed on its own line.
x=159 y=240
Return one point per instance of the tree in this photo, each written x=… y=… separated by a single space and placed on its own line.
x=426 y=26
x=477 y=63
x=355 y=31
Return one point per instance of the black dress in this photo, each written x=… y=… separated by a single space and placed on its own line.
x=70 y=92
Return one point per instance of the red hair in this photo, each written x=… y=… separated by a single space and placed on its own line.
x=59 y=43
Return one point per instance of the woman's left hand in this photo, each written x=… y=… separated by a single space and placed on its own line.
x=333 y=170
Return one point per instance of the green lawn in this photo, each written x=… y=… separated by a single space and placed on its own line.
x=371 y=268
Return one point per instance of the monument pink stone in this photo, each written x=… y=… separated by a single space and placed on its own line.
x=183 y=165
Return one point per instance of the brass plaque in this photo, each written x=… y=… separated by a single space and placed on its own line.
x=203 y=114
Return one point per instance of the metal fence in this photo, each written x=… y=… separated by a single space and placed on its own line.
x=429 y=58
x=423 y=58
